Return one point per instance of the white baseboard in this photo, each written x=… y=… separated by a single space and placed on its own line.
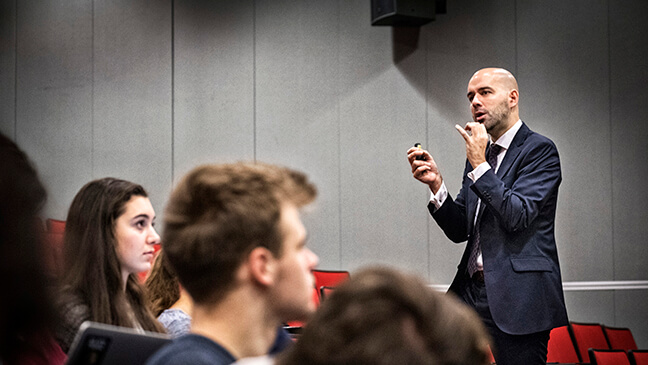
x=587 y=285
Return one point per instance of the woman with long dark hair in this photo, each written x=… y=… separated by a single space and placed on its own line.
x=109 y=238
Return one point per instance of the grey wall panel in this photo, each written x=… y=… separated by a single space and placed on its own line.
x=297 y=106
x=564 y=83
x=580 y=308
x=381 y=115
x=132 y=94
x=629 y=125
x=54 y=96
x=8 y=68
x=458 y=45
x=631 y=310
x=213 y=83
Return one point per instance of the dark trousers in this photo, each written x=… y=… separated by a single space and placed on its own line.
x=507 y=349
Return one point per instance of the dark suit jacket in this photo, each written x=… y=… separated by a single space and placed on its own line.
x=521 y=269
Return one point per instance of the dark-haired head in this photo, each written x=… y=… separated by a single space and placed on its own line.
x=383 y=316
x=90 y=231
x=26 y=306
x=163 y=287
x=93 y=267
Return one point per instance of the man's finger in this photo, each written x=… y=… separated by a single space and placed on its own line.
x=421 y=171
x=463 y=132
x=476 y=127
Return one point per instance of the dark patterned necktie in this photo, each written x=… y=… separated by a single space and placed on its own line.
x=476 y=249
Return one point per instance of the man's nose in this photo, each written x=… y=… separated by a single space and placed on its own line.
x=476 y=101
x=313 y=258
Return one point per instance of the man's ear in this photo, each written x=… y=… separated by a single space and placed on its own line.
x=262 y=266
x=514 y=97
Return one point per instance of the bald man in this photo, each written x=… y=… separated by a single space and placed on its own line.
x=506 y=210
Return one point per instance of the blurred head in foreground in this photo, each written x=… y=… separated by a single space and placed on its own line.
x=383 y=316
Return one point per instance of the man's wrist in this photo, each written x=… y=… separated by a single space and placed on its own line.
x=436 y=185
x=438 y=198
x=479 y=171
x=476 y=162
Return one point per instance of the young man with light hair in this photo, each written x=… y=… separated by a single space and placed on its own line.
x=234 y=236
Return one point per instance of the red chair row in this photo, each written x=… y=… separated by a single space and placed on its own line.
x=618 y=357
x=574 y=343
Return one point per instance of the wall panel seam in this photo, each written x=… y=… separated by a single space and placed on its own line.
x=92 y=93
x=172 y=91
x=339 y=137
x=515 y=35
x=609 y=59
x=254 y=82
x=15 y=128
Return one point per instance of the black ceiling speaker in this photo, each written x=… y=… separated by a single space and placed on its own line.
x=405 y=13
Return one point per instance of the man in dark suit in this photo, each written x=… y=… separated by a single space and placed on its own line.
x=506 y=210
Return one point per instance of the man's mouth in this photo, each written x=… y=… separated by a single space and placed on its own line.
x=479 y=116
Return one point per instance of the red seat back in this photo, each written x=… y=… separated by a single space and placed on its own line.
x=53 y=253
x=588 y=336
x=638 y=357
x=325 y=291
x=55 y=225
x=329 y=278
x=561 y=347
x=608 y=357
x=491 y=358
x=620 y=338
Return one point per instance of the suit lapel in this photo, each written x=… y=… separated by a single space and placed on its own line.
x=511 y=154
x=514 y=150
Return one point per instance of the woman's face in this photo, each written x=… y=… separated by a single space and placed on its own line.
x=135 y=236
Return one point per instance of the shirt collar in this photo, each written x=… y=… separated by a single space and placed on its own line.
x=505 y=139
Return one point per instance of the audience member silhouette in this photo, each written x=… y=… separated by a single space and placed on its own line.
x=27 y=313
x=383 y=316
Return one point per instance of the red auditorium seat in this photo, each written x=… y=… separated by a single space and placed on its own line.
x=53 y=253
x=55 y=226
x=638 y=357
x=53 y=246
x=491 y=358
x=588 y=336
x=620 y=338
x=325 y=291
x=329 y=278
x=608 y=357
x=561 y=347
